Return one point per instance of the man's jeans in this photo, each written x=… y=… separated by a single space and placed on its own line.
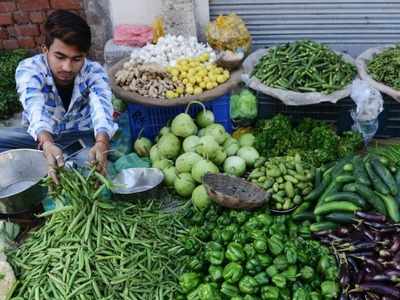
x=17 y=138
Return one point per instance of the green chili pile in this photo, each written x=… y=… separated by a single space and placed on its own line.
x=385 y=66
x=241 y=255
x=97 y=249
x=304 y=66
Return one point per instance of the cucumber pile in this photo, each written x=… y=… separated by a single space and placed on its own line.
x=287 y=178
x=353 y=184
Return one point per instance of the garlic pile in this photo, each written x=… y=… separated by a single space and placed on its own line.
x=169 y=49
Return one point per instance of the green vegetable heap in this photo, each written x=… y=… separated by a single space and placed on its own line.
x=304 y=66
x=243 y=105
x=241 y=255
x=384 y=67
x=315 y=141
x=287 y=178
x=98 y=249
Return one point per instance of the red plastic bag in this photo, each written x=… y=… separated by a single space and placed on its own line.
x=133 y=35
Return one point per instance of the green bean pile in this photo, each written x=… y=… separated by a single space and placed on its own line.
x=385 y=67
x=97 y=249
x=304 y=66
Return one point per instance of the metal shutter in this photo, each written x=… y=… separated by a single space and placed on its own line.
x=349 y=26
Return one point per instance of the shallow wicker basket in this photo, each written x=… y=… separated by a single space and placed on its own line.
x=234 y=192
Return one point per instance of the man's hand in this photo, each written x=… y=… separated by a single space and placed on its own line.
x=55 y=158
x=98 y=153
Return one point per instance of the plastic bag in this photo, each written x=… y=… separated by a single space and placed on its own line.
x=133 y=35
x=158 y=29
x=121 y=143
x=369 y=105
x=7 y=279
x=229 y=33
x=243 y=105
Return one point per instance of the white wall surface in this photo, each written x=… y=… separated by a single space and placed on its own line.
x=145 y=11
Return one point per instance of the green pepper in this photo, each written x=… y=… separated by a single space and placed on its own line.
x=249 y=297
x=241 y=237
x=249 y=250
x=214 y=253
x=264 y=260
x=291 y=273
x=226 y=235
x=276 y=229
x=269 y=293
x=330 y=289
x=315 y=296
x=272 y=271
x=279 y=280
x=300 y=294
x=233 y=214
x=241 y=217
x=237 y=298
x=324 y=263
x=188 y=282
x=316 y=284
x=281 y=262
x=293 y=229
x=260 y=246
x=248 y=285
x=257 y=234
x=229 y=290
x=197 y=218
x=284 y=294
x=208 y=291
x=195 y=264
x=262 y=278
x=215 y=272
x=235 y=252
x=216 y=235
x=291 y=255
x=331 y=273
x=223 y=220
x=307 y=273
x=265 y=219
x=275 y=245
x=253 y=266
x=232 y=272
x=191 y=245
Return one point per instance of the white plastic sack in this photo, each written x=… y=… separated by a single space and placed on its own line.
x=361 y=63
x=368 y=100
x=289 y=97
x=7 y=277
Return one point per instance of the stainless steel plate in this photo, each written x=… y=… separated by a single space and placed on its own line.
x=136 y=180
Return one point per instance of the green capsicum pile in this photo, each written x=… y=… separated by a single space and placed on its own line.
x=287 y=178
x=242 y=255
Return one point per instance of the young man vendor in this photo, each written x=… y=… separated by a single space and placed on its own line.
x=65 y=96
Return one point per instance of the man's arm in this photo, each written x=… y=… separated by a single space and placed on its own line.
x=102 y=115
x=30 y=85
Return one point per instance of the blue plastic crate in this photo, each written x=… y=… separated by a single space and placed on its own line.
x=153 y=118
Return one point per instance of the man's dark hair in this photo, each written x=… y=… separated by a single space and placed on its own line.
x=69 y=28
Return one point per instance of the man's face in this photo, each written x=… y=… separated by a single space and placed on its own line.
x=65 y=61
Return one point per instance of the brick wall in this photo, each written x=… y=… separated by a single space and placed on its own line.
x=21 y=21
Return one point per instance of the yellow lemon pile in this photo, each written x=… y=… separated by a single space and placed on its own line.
x=195 y=75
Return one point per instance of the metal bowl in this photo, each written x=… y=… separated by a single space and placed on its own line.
x=136 y=180
x=21 y=171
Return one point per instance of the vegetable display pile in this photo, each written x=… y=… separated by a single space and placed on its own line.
x=369 y=257
x=242 y=255
x=287 y=178
x=97 y=249
x=146 y=80
x=189 y=148
x=304 y=66
x=169 y=49
x=195 y=75
x=353 y=184
x=384 y=67
x=314 y=140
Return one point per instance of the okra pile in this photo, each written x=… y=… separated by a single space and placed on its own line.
x=304 y=66
x=384 y=67
x=97 y=249
x=243 y=255
x=287 y=178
